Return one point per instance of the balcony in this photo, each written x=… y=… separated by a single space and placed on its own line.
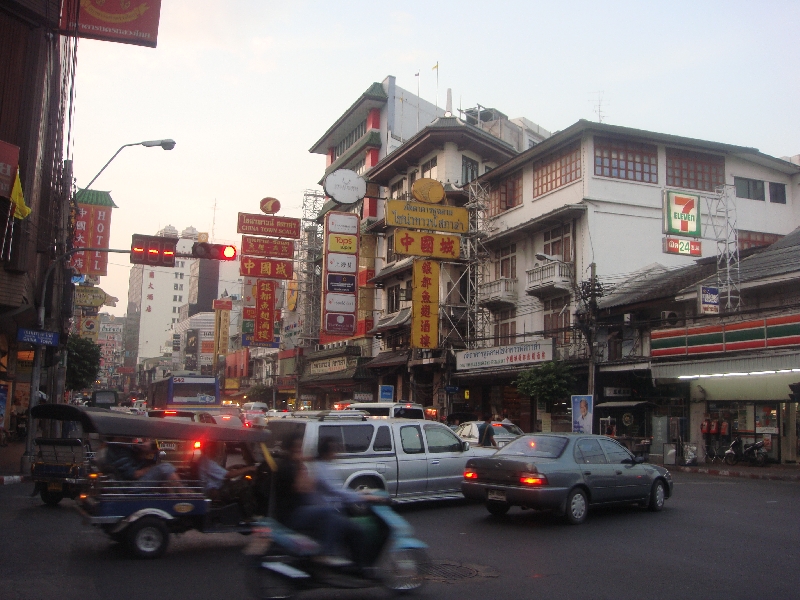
x=550 y=279
x=498 y=294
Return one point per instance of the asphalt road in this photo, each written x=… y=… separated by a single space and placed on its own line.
x=717 y=538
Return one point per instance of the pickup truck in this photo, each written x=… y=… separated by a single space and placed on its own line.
x=411 y=460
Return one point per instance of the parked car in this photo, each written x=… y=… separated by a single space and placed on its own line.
x=410 y=459
x=254 y=419
x=400 y=410
x=503 y=432
x=564 y=472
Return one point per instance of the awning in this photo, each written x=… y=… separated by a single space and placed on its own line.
x=389 y=359
x=750 y=363
x=393 y=321
x=397 y=267
x=489 y=374
x=623 y=404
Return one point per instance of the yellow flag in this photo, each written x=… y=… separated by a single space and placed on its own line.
x=435 y=67
x=21 y=211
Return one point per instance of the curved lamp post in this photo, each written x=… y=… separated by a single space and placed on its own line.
x=165 y=144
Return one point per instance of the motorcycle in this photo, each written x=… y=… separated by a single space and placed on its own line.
x=283 y=561
x=755 y=454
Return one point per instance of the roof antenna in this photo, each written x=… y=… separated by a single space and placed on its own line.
x=599 y=107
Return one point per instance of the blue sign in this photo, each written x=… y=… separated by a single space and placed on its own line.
x=341 y=283
x=76 y=279
x=451 y=389
x=40 y=338
x=247 y=342
x=386 y=393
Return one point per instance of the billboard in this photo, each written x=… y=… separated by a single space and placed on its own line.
x=92 y=230
x=286 y=227
x=339 y=298
x=682 y=214
x=505 y=356
x=433 y=217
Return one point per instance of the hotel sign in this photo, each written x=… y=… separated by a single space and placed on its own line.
x=433 y=217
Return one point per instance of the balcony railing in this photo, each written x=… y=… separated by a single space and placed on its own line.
x=498 y=293
x=548 y=279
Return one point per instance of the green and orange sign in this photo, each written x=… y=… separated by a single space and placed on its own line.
x=682 y=214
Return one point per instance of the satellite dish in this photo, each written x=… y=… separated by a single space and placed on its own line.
x=345 y=186
x=428 y=190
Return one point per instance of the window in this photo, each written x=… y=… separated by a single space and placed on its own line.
x=557 y=170
x=506 y=194
x=350 y=139
x=390 y=255
x=558 y=242
x=694 y=171
x=383 y=440
x=506 y=264
x=556 y=319
x=360 y=167
x=396 y=189
x=615 y=453
x=176 y=275
x=441 y=440
x=411 y=439
x=180 y=286
x=353 y=438
x=752 y=189
x=393 y=299
x=614 y=345
x=588 y=452
x=174 y=286
x=777 y=193
x=625 y=160
x=181 y=275
x=180 y=298
x=174 y=298
x=531 y=143
x=505 y=327
x=174 y=309
x=429 y=168
x=469 y=169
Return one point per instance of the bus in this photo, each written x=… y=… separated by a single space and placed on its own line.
x=185 y=391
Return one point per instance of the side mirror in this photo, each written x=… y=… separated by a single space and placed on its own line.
x=638 y=460
x=465 y=446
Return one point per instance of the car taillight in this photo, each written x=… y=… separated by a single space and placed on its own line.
x=170 y=412
x=197 y=445
x=532 y=479
x=247 y=424
x=470 y=474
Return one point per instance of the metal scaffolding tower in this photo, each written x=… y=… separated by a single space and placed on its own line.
x=476 y=254
x=308 y=266
x=721 y=209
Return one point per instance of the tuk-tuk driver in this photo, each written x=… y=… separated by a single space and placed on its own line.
x=227 y=485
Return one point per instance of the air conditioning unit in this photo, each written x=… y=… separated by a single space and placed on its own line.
x=670 y=317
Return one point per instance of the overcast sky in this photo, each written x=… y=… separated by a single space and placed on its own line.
x=245 y=87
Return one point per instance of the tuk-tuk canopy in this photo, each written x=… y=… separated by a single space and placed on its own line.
x=114 y=423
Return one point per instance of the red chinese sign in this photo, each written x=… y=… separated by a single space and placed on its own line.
x=271 y=247
x=266 y=267
x=265 y=311
x=248 y=313
x=286 y=227
x=9 y=159
x=92 y=230
x=222 y=304
x=129 y=22
x=419 y=243
x=425 y=305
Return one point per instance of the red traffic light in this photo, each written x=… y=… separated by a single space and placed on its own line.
x=214 y=251
x=153 y=250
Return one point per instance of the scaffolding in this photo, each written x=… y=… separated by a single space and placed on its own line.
x=308 y=267
x=721 y=208
x=476 y=254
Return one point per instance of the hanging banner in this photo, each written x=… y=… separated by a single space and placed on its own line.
x=266 y=268
x=425 y=304
x=285 y=227
x=265 y=311
x=92 y=230
x=433 y=217
x=128 y=22
x=270 y=247
x=222 y=327
x=417 y=243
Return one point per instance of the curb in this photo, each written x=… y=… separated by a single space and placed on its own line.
x=9 y=479
x=740 y=474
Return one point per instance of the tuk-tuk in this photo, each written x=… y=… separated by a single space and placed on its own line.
x=141 y=513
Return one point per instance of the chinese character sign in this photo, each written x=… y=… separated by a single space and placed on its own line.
x=270 y=247
x=425 y=305
x=92 y=230
x=422 y=243
x=265 y=311
x=267 y=268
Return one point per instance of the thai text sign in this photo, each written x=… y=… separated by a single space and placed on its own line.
x=505 y=356
x=340 y=283
x=265 y=311
x=419 y=243
x=92 y=230
x=266 y=267
x=708 y=300
x=685 y=247
x=329 y=365
x=682 y=214
x=286 y=227
x=272 y=247
x=133 y=22
x=89 y=296
x=434 y=217
x=425 y=304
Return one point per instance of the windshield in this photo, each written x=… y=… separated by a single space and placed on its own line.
x=194 y=393
x=535 y=446
x=105 y=397
x=511 y=428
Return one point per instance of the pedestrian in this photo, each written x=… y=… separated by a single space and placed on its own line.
x=486 y=432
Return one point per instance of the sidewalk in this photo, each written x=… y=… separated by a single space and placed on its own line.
x=772 y=472
x=10 y=457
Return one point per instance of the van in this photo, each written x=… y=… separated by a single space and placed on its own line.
x=250 y=406
x=397 y=410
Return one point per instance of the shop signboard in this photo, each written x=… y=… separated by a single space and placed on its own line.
x=92 y=230
x=268 y=247
x=684 y=247
x=271 y=225
x=249 y=313
x=248 y=326
x=345 y=186
x=339 y=299
x=341 y=263
x=708 y=300
x=425 y=304
x=89 y=296
x=386 y=393
x=433 y=217
x=124 y=22
x=505 y=356
x=340 y=302
x=435 y=245
x=40 y=338
x=222 y=304
x=268 y=268
x=681 y=214
x=342 y=223
x=265 y=311
x=329 y=365
x=341 y=283
x=339 y=323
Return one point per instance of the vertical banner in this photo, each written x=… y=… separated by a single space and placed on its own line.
x=582 y=410
x=425 y=304
x=340 y=292
x=265 y=311
x=92 y=230
x=222 y=324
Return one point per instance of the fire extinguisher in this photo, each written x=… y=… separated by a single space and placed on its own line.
x=704 y=426
x=714 y=430
x=723 y=428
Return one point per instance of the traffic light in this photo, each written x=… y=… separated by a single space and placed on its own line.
x=153 y=250
x=213 y=251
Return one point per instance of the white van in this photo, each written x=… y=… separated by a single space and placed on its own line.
x=399 y=410
x=248 y=406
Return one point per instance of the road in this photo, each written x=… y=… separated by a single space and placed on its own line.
x=717 y=538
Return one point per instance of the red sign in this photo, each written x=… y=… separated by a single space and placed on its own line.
x=265 y=311
x=92 y=230
x=126 y=370
x=222 y=304
x=272 y=247
x=269 y=205
x=266 y=267
x=9 y=159
x=286 y=227
x=686 y=247
x=248 y=313
x=129 y=22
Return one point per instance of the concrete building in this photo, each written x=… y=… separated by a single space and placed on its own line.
x=110 y=339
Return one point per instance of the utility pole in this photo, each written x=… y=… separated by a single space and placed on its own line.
x=592 y=326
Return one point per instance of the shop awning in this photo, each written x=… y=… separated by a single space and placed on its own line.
x=389 y=359
x=623 y=404
x=489 y=374
x=393 y=321
x=401 y=265
x=750 y=363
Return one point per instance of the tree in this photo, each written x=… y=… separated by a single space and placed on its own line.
x=260 y=393
x=548 y=382
x=83 y=362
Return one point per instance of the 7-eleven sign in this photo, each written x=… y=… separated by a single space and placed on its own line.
x=682 y=214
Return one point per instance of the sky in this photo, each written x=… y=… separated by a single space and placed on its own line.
x=245 y=87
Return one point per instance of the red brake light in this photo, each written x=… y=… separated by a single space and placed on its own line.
x=497 y=424
x=247 y=424
x=533 y=479
x=470 y=474
x=408 y=406
x=170 y=412
x=197 y=445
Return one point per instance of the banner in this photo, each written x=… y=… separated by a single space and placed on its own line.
x=92 y=230
x=266 y=268
x=417 y=243
x=265 y=311
x=270 y=247
x=128 y=22
x=425 y=304
x=582 y=410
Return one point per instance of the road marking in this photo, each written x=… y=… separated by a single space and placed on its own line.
x=772 y=501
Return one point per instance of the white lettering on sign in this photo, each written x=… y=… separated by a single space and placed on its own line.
x=514 y=354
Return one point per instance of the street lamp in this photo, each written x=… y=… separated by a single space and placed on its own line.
x=165 y=144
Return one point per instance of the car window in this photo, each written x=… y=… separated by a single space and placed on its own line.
x=614 y=451
x=207 y=418
x=440 y=439
x=512 y=429
x=535 y=446
x=383 y=440
x=375 y=411
x=283 y=430
x=411 y=438
x=357 y=437
x=588 y=452
x=409 y=413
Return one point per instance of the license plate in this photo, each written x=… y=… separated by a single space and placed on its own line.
x=496 y=495
x=54 y=487
x=166 y=446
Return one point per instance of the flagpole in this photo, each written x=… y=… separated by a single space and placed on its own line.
x=417 y=76
x=436 y=66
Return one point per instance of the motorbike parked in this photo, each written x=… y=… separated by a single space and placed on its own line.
x=755 y=453
x=283 y=562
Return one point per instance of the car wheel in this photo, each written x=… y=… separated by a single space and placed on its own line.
x=577 y=507
x=51 y=498
x=364 y=484
x=148 y=537
x=497 y=509
x=657 y=496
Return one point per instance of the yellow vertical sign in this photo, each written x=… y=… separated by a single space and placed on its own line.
x=222 y=324
x=425 y=304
